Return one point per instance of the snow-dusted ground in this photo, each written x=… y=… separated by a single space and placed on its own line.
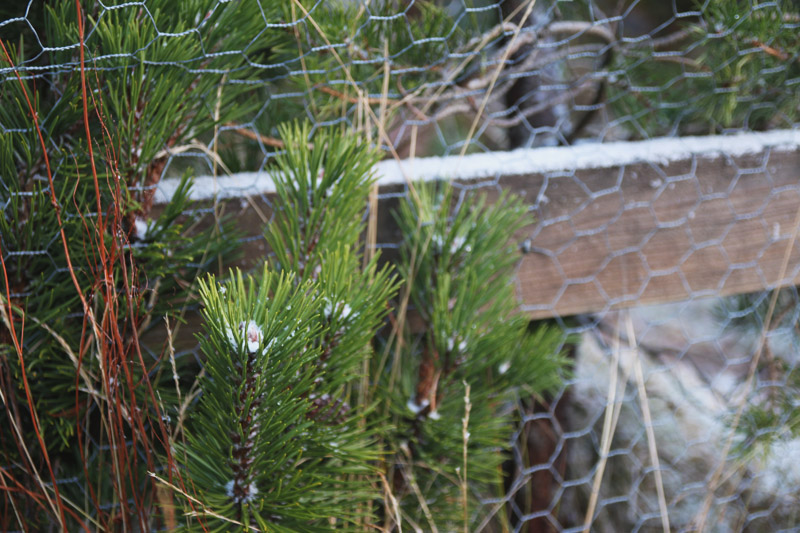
x=516 y=162
x=695 y=369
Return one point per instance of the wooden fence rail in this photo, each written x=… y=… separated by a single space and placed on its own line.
x=617 y=224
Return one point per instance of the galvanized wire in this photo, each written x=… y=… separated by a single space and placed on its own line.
x=575 y=72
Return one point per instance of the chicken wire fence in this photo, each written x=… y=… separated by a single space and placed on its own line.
x=681 y=411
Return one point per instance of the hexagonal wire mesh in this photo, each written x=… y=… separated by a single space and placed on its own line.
x=679 y=412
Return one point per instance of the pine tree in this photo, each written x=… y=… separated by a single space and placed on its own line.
x=289 y=429
x=300 y=423
x=450 y=387
x=279 y=439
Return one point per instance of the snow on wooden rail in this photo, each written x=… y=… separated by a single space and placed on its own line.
x=617 y=224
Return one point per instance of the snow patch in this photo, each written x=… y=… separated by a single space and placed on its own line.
x=253 y=335
x=344 y=310
x=251 y=492
x=455 y=246
x=782 y=466
x=451 y=345
x=140 y=229
x=516 y=162
x=415 y=408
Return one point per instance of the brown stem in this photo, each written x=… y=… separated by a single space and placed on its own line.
x=243 y=439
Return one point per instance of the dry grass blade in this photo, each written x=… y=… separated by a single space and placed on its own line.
x=58 y=506
x=196 y=145
x=393 y=508
x=495 y=77
x=381 y=130
x=372 y=224
x=605 y=440
x=648 y=423
x=171 y=350
x=610 y=420
x=465 y=440
x=20 y=438
x=204 y=511
x=10 y=495
x=408 y=476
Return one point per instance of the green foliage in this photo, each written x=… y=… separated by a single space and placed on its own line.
x=418 y=44
x=299 y=417
x=301 y=452
x=737 y=70
x=771 y=412
x=130 y=278
x=161 y=70
x=261 y=450
x=415 y=40
x=458 y=266
x=321 y=191
x=322 y=184
x=457 y=269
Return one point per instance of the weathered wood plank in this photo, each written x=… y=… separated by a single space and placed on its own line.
x=648 y=233
x=630 y=234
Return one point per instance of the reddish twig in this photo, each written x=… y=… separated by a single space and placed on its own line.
x=17 y=341
x=780 y=54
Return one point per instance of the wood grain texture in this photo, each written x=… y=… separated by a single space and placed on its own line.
x=648 y=234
